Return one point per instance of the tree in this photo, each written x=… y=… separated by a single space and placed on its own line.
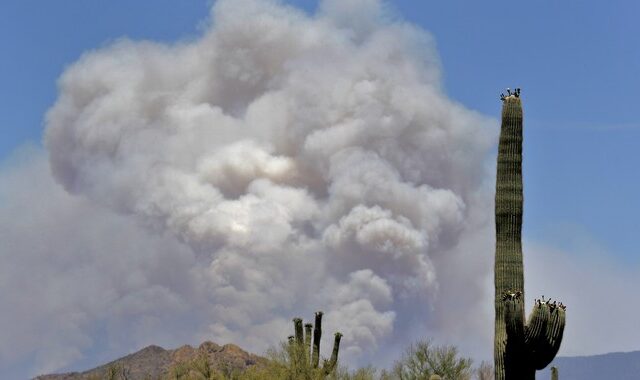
x=422 y=359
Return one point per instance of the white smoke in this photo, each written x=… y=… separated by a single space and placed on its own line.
x=294 y=163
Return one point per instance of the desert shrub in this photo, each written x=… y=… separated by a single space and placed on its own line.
x=422 y=359
x=284 y=363
x=485 y=371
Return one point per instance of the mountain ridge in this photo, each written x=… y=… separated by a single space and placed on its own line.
x=155 y=362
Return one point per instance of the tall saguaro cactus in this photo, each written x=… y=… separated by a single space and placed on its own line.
x=519 y=348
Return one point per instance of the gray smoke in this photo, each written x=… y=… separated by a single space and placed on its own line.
x=279 y=164
x=309 y=162
x=75 y=278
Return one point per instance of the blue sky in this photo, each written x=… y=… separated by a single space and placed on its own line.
x=577 y=63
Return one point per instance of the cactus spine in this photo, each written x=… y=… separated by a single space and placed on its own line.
x=519 y=348
x=305 y=358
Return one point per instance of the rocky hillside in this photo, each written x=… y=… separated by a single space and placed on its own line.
x=155 y=362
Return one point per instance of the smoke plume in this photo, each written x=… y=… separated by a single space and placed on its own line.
x=279 y=164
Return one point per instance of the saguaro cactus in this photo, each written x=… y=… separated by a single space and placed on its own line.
x=306 y=363
x=520 y=348
x=554 y=373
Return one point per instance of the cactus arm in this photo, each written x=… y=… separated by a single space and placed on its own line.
x=537 y=325
x=307 y=340
x=330 y=365
x=556 y=331
x=317 y=334
x=299 y=337
x=547 y=345
x=535 y=333
x=295 y=347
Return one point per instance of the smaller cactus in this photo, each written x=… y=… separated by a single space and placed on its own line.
x=554 y=373
x=305 y=357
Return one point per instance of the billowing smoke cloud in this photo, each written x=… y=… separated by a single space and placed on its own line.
x=280 y=164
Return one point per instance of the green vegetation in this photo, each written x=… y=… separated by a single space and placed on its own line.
x=113 y=372
x=200 y=369
x=422 y=360
x=520 y=349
